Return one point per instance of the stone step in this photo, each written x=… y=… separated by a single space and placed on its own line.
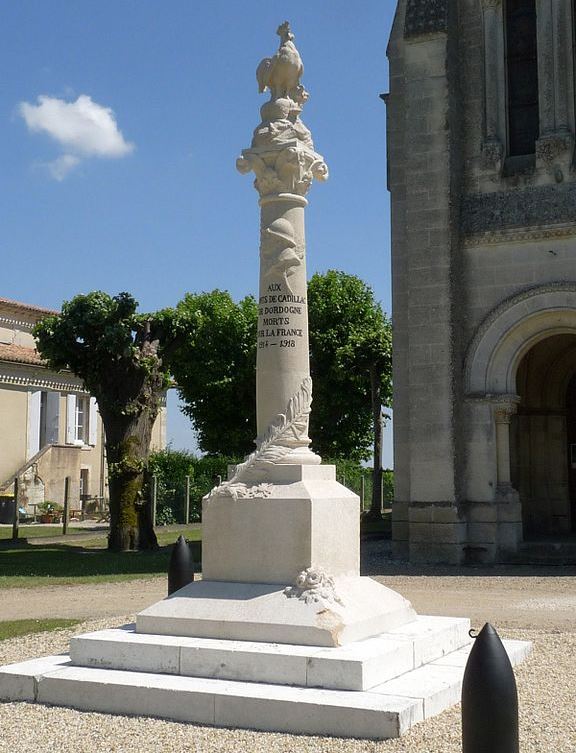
x=355 y=666
x=387 y=710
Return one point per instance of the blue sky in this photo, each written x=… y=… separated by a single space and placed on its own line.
x=146 y=197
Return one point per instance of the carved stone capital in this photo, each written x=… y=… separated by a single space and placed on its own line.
x=503 y=412
x=289 y=168
x=491 y=3
x=552 y=146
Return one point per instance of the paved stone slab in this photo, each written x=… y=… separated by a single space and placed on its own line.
x=227 y=703
x=18 y=682
x=429 y=636
x=388 y=710
x=517 y=652
x=355 y=666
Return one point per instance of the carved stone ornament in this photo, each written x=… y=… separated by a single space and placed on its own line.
x=279 y=252
x=282 y=152
x=314 y=586
x=425 y=17
x=549 y=148
x=504 y=410
x=248 y=479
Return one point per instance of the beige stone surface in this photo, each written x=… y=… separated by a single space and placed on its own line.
x=271 y=539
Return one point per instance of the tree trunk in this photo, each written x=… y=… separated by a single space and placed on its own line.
x=375 y=511
x=127 y=448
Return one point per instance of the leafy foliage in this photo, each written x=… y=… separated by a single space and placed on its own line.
x=349 y=335
x=120 y=356
x=215 y=368
x=171 y=468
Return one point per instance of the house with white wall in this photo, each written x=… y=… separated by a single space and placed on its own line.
x=50 y=427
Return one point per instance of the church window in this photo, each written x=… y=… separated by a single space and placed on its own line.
x=522 y=77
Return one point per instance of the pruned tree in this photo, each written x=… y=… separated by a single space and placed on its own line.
x=121 y=357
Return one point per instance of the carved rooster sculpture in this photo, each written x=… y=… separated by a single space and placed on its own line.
x=281 y=73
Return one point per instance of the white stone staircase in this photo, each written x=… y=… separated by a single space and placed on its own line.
x=375 y=688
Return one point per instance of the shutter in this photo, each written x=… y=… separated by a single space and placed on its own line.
x=33 y=441
x=93 y=423
x=70 y=419
x=52 y=417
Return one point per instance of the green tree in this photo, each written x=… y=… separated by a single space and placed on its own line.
x=347 y=331
x=215 y=364
x=215 y=369
x=368 y=355
x=120 y=356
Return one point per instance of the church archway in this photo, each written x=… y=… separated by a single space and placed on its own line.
x=541 y=434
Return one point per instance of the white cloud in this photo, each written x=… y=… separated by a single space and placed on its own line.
x=60 y=167
x=82 y=128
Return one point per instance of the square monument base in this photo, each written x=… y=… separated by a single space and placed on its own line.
x=306 y=520
x=351 y=609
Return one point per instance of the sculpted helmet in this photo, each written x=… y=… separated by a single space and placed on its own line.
x=283 y=229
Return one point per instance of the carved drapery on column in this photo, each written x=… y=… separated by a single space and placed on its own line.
x=494 y=85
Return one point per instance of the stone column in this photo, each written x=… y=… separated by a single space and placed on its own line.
x=555 y=145
x=562 y=49
x=546 y=67
x=284 y=162
x=494 y=78
x=503 y=415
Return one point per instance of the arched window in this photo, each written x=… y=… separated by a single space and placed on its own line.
x=522 y=77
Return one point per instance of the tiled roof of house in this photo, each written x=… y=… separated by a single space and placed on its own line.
x=27 y=306
x=20 y=354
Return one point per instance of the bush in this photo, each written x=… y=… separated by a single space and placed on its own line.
x=171 y=468
x=350 y=473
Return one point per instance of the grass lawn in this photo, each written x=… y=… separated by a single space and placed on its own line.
x=87 y=561
x=15 y=628
x=38 y=531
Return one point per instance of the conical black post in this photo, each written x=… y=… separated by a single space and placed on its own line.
x=181 y=567
x=489 y=698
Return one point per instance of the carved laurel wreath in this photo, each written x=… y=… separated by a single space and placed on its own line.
x=314 y=586
x=271 y=448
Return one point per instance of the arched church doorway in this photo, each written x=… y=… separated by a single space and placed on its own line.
x=543 y=438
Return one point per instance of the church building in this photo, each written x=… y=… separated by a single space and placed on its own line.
x=482 y=176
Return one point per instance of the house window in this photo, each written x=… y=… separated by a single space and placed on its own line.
x=43 y=419
x=82 y=419
x=522 y=77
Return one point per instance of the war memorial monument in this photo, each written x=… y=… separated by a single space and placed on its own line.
x=282 y=633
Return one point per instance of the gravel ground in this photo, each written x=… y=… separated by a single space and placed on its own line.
x=546 y=685
x=536 y=604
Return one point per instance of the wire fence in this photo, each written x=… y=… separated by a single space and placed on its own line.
x=181 y=501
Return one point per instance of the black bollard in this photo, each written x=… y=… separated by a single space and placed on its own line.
x=181 y=567
x=489 y=698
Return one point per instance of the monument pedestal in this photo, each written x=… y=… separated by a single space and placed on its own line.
x=253 y=547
